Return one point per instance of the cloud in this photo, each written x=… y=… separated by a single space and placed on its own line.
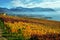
x=17 y=3
x=50 y=0
x=50 y=4
x=36 y=3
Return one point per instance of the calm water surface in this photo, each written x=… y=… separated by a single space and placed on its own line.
x=55 y=15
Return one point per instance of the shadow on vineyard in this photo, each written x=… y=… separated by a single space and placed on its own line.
x=45 y=37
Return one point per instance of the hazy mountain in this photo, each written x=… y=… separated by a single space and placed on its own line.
x=20 y=9
x=3 y=9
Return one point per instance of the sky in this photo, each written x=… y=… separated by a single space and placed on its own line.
x=30 y=3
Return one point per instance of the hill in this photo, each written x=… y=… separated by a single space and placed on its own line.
x=22 y=28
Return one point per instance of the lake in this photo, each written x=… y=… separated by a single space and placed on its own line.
x=50 y=15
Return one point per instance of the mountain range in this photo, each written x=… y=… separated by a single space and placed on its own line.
x=21 y=9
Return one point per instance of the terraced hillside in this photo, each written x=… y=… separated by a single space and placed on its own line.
x=22 y=28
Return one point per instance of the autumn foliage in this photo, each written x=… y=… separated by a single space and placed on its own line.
x=33 y=27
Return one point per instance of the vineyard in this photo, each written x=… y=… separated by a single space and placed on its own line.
x=21 y=28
